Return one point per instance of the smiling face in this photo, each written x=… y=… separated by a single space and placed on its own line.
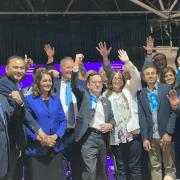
x=66 y=68
x=169 y=78
x=45 y=84
x=16 y=69
x=117 y=82
x=95 y=84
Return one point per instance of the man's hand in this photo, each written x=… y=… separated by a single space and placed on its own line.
x=166 y=139
x=106 y=127
x=28 y=62
x=16 y=97
x=78 y=60
x=149 y=45
x=173 y=99
x=103 y=50
x=147 y=145
x=123 y=56
x=49 y=52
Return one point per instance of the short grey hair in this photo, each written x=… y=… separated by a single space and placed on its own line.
x=67 y=58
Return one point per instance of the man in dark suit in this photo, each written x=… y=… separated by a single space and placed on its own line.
x=6 y=111
x=94 y=122
x=9 y=87
x=157 y=124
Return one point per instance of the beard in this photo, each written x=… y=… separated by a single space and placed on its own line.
x=12 y=76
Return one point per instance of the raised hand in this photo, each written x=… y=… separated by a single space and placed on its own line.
x=78 y=60
x=28 y=62
x=173 y=99
x=16 y=97
x=149 y=45
x=123 y=56
x=49 y=51
x=103 y=50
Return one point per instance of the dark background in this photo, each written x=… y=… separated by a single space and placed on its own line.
x=71 y=34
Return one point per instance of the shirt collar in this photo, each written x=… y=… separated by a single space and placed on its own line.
x=155 y=87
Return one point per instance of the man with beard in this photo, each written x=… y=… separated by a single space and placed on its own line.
x=9 y=87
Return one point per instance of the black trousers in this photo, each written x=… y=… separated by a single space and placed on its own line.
x=128 y=159
x=73 y=154
x=3 y=178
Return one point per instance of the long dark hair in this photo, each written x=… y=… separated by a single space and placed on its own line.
x=36 y=85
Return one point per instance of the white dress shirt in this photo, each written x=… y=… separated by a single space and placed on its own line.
x=99 y=117
x=63 y=101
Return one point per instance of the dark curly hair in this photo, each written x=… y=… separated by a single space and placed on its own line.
x=110 y=87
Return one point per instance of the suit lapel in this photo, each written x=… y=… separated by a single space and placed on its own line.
x=159 y=94
x=145 y=97
x=105 y=108
x=88 y=102
x=2 y=114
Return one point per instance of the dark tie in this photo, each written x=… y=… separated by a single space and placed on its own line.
x=69 y=103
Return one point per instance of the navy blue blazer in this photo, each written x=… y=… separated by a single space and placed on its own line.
x=51 y=119
x=166 y=118
x=16 y=130
x=5 y=114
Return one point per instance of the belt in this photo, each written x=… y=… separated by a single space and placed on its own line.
x=90 y=129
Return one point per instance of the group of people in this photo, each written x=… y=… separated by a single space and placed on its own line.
x=75 y=119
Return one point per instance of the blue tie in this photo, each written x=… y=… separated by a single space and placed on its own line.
x=69 y=103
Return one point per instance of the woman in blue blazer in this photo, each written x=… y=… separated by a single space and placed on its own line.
x=44 y=161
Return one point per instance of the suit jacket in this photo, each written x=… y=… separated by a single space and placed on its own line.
x=86 y=115
x=6 y=112
x=165 y=116
x=52 y=120
x=21 y=115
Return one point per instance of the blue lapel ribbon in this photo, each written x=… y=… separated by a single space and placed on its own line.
x=153 y=100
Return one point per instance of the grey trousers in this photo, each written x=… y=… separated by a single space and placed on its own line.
x=93 y=153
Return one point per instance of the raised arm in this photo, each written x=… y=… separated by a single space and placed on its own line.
x=49 y=50
x=74 y=79
x=149 y=50
x=104 y=52
x=135 y=82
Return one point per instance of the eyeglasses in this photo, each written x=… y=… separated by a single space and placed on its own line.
x=96 y=82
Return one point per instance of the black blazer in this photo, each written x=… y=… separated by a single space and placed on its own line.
x=20 y=116
x=165 y=116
